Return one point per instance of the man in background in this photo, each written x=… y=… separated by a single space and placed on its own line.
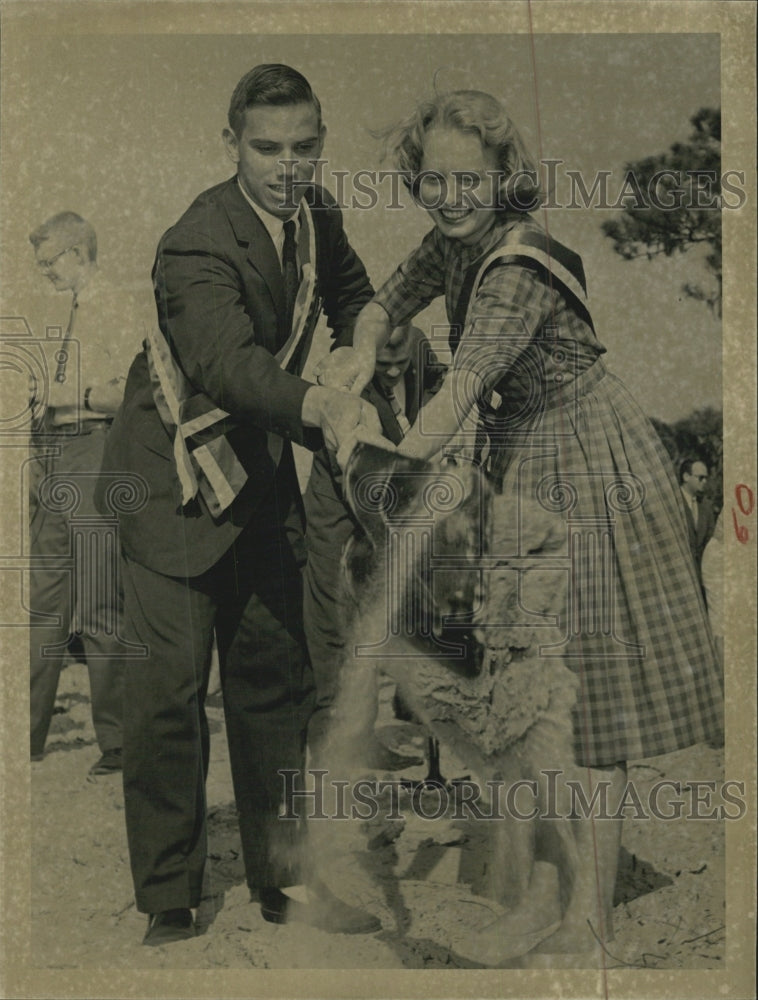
x=701 y=520
x=87 y=372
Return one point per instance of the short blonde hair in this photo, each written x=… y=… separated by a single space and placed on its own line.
x=478 y=113
x=74 y=230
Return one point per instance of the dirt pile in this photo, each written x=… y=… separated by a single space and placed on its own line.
x=424 y=885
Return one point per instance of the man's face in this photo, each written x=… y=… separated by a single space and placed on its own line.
x=275 y=150
x=392 y=364
x=694 y=482
x=60 y=262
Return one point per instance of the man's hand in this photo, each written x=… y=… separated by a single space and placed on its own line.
x=339 y=415
x=104 y=397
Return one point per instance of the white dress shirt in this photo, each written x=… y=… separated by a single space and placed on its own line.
x=108 y=329
x=274 y=225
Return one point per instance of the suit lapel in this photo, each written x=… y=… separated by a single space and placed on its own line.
x=691 y=526
x=252 y=236
x=701 y=525
x=319 y=235
x=696 y=519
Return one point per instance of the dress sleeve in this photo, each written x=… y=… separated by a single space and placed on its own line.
x=511 y=306
x=419 y=280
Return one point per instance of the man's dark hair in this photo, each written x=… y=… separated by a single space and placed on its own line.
x=685 y=466
x=269 y=84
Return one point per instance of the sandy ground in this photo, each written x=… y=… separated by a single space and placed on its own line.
x=669 y=911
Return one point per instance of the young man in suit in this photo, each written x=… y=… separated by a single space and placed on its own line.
x=239 y=282
x=407 y=373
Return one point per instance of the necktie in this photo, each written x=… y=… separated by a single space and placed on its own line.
x=290 y=272
x=397 y=411
x=36 y=404
x=62 y=355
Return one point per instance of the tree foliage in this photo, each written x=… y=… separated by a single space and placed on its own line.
x=682 y=207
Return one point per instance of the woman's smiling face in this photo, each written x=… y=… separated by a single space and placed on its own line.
x=459 y=183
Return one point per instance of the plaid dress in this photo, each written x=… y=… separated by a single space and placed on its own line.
x=555 y=428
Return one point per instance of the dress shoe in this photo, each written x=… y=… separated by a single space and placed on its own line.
x=169 y=926
x=36 y=757
x=323 y=910
x=109 y=763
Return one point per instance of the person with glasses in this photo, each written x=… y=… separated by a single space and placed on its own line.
x=72 y=410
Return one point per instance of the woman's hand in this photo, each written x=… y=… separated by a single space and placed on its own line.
x=339 y=369
x=365 y=434
x=356 y=369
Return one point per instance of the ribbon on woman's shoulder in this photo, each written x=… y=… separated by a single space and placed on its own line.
x=529 y=248
x=565 y=268
x=206 y=462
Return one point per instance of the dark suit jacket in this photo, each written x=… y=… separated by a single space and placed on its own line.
x=700 y=533
x=220 y=297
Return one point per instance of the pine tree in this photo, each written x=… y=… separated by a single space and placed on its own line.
x=687 y=210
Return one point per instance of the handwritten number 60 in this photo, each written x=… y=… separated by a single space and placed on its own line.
x=746 y=503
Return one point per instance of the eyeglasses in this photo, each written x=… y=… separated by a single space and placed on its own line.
x=45 y=264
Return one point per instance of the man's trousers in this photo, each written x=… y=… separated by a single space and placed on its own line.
x=252 y=600
x=67 y=577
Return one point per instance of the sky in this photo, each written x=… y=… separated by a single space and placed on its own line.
x=126 y=130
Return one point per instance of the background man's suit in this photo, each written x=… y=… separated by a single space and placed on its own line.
x=702 y=531
x=221 y=307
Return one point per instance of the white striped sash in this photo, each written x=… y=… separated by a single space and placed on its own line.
x=212 y=467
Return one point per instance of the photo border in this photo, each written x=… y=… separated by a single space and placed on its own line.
x=735 y=22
